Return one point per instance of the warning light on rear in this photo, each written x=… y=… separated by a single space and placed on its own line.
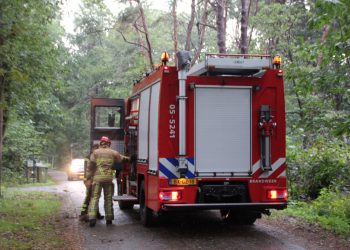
x=279 y=194
x=170 y=195
x=272 y=194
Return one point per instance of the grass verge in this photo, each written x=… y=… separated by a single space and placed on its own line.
x=27 y=220
x=330 y=210
x=49 y=182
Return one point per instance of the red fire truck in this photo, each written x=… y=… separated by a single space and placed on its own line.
x=207 y=137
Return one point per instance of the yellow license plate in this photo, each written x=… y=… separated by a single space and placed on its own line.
x=81 y=177
x=183 y=181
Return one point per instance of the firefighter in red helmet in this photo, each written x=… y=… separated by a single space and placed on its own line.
x=103 y=160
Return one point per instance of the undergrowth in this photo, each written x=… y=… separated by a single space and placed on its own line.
x=331 y=210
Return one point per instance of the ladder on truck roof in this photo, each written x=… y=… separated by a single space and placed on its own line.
x=232 y=64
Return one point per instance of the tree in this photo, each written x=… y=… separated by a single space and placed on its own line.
x=316 y=59
x=146 y=33
x=221 y=25
x=244 y=26
x=201 y=27
x=30 y=64
x=175 y=36
x=190 y=26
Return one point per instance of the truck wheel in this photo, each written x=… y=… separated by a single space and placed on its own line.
x=238 y=218
x=125 y=205
x=145 y=213
x=70 y=178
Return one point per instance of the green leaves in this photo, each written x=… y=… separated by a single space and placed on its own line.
x=31 y=61
x=330 y=210
x=323 y=164
x=314 y=42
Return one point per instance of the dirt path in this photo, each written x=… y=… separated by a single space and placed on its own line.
x=314 y=236
x=200 y=230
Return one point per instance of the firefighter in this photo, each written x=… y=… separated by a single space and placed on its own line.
x=88 y=174
x=103 y=158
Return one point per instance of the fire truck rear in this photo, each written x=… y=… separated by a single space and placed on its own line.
x=207 y=137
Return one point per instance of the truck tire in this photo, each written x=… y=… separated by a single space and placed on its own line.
x=124 y=205
x=238 y=218
x=146 y=215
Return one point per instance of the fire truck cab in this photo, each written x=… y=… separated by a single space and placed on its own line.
x=207 y=137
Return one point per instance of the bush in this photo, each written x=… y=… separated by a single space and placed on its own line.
x=331 y=210
x=13 y=178
x=322 y=165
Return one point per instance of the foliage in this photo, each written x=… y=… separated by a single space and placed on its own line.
x=324 y=164
x=27 y=220
x=330 y=210
x=312 y=38
x=32 y=55
x=333 y=78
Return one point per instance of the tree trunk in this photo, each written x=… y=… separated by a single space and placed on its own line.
x=221 y=26
x=2 y=125
x=142 y=46
x=244 y=26
x=175 y=27
x=203 y=21
x=254 y=14
x=325 y=32
x=145 y=29
x=190 y=26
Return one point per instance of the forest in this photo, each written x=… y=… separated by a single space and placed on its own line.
x=48 y=76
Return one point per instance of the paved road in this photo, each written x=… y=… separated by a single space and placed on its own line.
x=199 y=230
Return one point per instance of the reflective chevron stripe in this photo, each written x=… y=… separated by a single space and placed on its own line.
x=278 y=169
x=168 y=168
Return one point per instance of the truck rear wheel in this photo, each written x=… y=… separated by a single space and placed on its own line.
x=238 y=218
x=146 y=215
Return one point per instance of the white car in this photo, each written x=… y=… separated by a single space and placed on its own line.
x=76 y=169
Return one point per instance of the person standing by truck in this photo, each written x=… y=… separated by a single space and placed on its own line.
x=103 y=159
x=88 y=178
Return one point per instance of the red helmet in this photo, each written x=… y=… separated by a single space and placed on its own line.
x=105 y=139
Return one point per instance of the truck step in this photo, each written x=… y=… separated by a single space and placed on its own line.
x=125 y=197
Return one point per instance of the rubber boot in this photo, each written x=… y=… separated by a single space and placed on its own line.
x=99 y=216
x=83 y=217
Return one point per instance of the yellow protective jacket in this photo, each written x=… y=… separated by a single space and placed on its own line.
x=104 y=158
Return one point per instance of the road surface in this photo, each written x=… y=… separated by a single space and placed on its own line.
x=199 y=230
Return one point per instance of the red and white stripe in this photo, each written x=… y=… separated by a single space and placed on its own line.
x=278 y=169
